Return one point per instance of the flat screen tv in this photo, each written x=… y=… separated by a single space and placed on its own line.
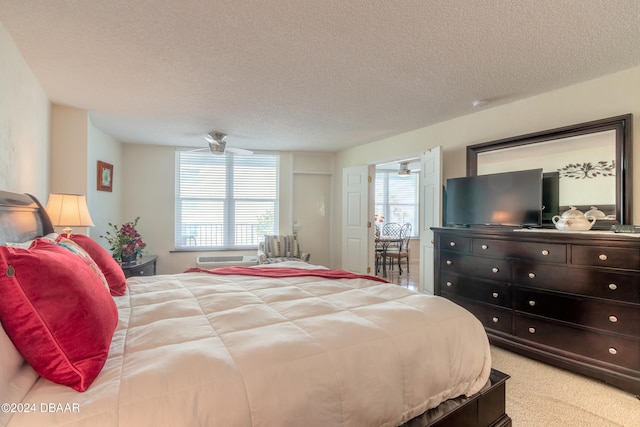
x=509 y=198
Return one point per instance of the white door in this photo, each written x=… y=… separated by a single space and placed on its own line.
x=430 y=213
x=311 y=203
x=357 y=247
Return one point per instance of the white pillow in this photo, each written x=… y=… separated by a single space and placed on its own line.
x=291 y=264
x=26 y=245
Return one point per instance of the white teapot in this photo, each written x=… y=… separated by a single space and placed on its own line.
x=596 y=213
x=573 y=220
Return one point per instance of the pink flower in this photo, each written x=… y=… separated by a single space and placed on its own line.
x=125 y=240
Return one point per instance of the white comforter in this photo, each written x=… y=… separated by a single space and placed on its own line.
x=198 y=349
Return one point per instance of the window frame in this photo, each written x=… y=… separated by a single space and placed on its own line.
x=384 y=175
x=229 y=204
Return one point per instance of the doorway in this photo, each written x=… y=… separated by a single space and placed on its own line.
x=358 y=248
x=396 y=204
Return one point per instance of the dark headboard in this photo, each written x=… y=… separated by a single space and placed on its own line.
x=22 y=218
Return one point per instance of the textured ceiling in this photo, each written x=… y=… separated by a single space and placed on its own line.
x=307 y=74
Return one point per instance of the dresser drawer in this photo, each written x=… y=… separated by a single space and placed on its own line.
x=451 y=242
x=619 y=351
x=488 y=291
x=613 y=317
x=492 y=317
x=486 y=268
x=602 y=256
x=546 y=252
x=619 y=286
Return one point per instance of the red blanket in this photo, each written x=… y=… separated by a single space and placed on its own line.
x=284 y=272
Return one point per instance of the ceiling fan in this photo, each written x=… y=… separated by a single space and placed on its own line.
x=218 y=145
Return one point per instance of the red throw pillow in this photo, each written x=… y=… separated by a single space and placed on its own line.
x=84 y=256
x=57 y=312
x=109 y=266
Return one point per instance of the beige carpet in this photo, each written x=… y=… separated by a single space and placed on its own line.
x=540 y=395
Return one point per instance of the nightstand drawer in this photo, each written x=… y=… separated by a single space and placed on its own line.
x=145 y=266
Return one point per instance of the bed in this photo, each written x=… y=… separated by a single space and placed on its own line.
x=286 y=345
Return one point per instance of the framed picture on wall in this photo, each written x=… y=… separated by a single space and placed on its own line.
x=105 y=176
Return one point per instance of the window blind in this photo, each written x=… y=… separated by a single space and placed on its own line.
x=225 y=201
x=396 y=199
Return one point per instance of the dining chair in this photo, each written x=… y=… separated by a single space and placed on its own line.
x=402 y=252
x=391 y=229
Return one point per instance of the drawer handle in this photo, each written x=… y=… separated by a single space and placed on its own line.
x=612 y=350
x=532 y=303
x=545 y=252
x=613 y=286
x=613 y=319
x=485 y=247
x=532 y=330
x=452 y=243
x=449 y=262
x=495 y=269
x=532 y=275
x=449 y=284
x=495 y=319
x=602 y=257
x=495 y=295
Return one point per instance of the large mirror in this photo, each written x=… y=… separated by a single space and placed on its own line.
x=591 y=161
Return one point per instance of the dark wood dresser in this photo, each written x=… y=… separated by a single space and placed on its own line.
x=570 y=299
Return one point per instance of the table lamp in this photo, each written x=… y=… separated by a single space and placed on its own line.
x=68 y=210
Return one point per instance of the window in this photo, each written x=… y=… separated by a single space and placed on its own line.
x=396 y=198
x=225 y=201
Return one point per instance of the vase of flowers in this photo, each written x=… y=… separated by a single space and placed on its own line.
x=378 y=219
x=125 y=241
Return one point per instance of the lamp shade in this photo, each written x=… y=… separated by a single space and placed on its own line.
x=68 y=210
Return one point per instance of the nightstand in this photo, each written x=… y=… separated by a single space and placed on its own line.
x=144 y=266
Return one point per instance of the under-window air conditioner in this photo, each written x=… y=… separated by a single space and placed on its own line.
x=226 y=261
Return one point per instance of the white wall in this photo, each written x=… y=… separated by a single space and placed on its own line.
x=45 y=148
x=312 y=201
x=105 y=206
x=609 y=96
x=148 y=180
x=24 y=125
x=148 y=174
x=77 y=145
